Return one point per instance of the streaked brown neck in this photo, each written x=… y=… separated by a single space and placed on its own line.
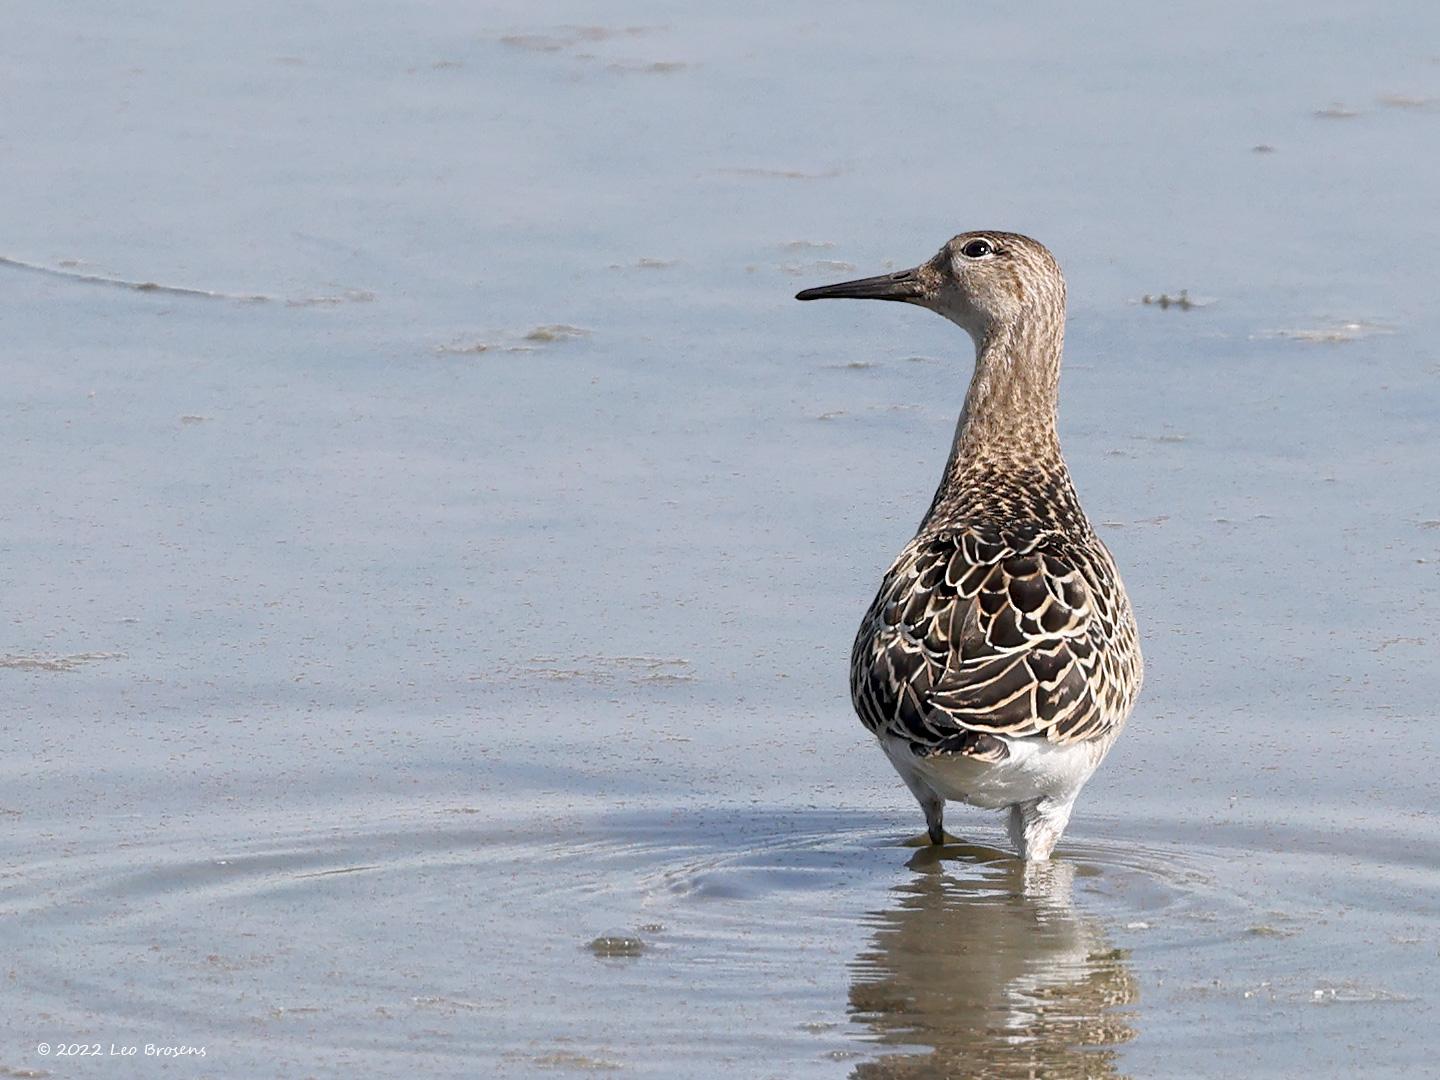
x=1008 y=425
x=1010 y=408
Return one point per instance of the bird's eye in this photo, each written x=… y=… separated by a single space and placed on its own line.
x=977 y=249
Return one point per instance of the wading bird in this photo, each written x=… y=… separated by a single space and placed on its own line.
x=999 y=660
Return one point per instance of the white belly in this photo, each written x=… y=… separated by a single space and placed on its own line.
x=1035 y=769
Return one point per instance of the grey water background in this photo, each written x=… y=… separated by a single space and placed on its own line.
x=472 y=576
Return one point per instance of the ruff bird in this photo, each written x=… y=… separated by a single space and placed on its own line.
x=1000 y=658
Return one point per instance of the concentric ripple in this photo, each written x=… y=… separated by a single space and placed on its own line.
x=818 y=940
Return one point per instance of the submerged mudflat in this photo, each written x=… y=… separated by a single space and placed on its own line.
x=433 y=541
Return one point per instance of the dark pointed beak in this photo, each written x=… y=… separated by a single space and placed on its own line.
x=901 y=285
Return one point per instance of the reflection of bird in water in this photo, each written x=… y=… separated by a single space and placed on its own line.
x=983 y=968
x=999 y=660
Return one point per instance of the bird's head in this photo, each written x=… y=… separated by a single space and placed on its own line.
x=978 y=280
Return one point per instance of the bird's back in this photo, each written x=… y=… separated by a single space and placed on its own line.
x=1004 y=616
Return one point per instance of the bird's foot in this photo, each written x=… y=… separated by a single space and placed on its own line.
x=930 y=839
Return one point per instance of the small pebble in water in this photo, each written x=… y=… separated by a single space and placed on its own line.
x=1265 y=930
x=557 y=332
x=617 y=943
x=1164 y=300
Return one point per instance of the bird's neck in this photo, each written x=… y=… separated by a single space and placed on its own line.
x=1008 y=423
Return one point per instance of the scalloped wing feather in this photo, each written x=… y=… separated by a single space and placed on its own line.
x=975 y=630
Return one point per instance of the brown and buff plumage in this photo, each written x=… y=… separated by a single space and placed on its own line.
x=999 y=659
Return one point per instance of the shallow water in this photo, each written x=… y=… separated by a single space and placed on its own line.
x=434 y=538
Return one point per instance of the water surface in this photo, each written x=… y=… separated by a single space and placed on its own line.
x=434 y=538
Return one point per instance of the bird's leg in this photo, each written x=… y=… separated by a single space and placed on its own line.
x=929 y=799
x=1035 y=826
x=1015 y=826
x=934 y=807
